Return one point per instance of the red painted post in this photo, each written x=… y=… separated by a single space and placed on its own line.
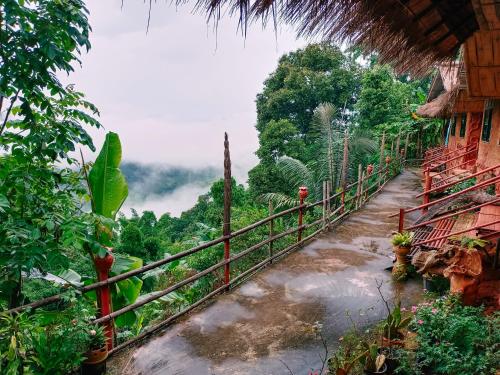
x=401 y=223
x=226 y=226
x=103 y=265
x=303 y=193
x=427 y=187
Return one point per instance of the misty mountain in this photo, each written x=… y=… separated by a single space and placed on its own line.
x=150 y=180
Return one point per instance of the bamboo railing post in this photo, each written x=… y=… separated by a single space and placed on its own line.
x=325 y=197
x=381 y=160
x=345 y=160
x=226 y=229
x=358 y=187
x=392 y=147
x=271 y=231
x=363 y=177
x=303 y=193
x=328 y=203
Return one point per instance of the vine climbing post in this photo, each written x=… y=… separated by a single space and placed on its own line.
x=226 y=229
x=303 y=193
x=103 y=266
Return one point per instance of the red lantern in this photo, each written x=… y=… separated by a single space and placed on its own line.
x=369 y=169
x=303 y=192
x=387 y=159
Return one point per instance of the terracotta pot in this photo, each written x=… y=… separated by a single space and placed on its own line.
x=459 y=282
x=95 y=362
x=401 y=253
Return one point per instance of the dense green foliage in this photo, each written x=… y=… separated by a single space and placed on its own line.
x=42 y=123
x=453 y=339
x=443 y=337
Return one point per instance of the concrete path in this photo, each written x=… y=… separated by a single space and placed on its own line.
x=266 y=326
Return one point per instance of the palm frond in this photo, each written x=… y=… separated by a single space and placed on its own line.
x=279 y=200
x=295 y=171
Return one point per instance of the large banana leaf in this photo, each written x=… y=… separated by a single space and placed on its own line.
x=107 y=183
x=125 y=292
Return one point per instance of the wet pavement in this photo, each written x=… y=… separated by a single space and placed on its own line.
x=266 y=326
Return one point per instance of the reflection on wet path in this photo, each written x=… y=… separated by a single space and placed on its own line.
x=268 y=321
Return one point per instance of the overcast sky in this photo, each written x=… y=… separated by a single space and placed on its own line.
x=171 y=93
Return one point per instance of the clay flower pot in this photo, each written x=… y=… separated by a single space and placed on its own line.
x=401 y=253
x=95 y=362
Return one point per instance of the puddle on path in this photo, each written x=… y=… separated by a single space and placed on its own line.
x=269 y=321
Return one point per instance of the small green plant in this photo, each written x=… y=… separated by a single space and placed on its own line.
x=95 y=337
x=402 y=239
x=471 y=243
x=395 y=322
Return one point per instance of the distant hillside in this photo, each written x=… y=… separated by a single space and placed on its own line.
x=149 y=180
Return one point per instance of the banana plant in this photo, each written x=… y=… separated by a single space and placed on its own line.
x=108 y=190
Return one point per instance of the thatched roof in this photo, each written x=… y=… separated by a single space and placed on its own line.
x=441 y=107
x=412 y=34
x=445 y=79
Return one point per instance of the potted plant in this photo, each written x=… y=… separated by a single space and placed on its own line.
x=373 y=360
x=393 y=326
x=97 y=352
x=402 y=244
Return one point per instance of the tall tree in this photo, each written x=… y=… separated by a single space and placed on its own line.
x=303 y=79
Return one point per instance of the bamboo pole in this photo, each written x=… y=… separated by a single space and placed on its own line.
x=381 y=160
x=271 y=232
x=325 y=197
x=328 y=202
x=226 y=229
x=358 y=190
x=345 y=160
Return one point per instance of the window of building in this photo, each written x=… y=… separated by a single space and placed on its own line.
x=463 y=125
x=488 y=114
x=454 y=125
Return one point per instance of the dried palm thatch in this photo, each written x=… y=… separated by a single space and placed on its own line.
x=413 y=34
x=442 y=106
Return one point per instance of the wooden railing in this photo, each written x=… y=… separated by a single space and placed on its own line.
x=334 y=208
